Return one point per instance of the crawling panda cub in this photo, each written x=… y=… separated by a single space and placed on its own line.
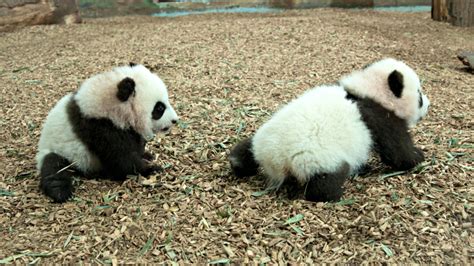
x=101 y=129
x=327 y=134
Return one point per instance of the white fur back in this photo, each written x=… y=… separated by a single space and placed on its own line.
x=57 y=136
x=315 y=133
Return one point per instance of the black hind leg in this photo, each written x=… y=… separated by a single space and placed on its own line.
x=56 y=178
x=241 y=159
x=327 y=187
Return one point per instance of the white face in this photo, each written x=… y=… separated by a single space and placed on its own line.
x=423 y=104
x=163 y=117
x=413 y=101
x=153 y=95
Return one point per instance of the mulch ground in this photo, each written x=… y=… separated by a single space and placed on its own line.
x=226 y=74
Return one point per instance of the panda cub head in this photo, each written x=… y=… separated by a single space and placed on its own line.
x=131 y=97
x=392 y=84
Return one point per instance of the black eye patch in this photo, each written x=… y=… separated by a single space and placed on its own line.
x=158 y=110
x=420 y=101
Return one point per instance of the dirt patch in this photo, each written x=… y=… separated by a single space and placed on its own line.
x=226 y=74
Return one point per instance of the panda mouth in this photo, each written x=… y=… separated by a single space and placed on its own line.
x=162 y=130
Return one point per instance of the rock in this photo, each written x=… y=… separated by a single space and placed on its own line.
x=20 y=13
x=467 y=58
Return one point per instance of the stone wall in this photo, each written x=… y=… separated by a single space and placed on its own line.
x=19 y=13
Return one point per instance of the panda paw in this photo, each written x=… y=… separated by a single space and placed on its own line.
x=324 y=189
x=60 y=190
x=148 y=156
x=419 y=156
x=410 y=160
x=327 y=187
x=151 y=169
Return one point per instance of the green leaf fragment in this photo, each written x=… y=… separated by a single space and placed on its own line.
x=219 y=261
x=387 y=250
x=68 y=239
x=295 y=219
x=392 y=174
x=260 y=193
x=6 y=193
x=346 y=202
x=148 y=245
x=297 y=229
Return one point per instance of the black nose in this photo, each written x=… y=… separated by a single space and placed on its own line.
x=166 y=129
x=174 y=121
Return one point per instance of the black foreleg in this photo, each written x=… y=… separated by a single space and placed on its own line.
x=390 y=133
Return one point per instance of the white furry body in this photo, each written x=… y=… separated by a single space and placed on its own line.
x=97 y=98
x=313 y=134
x=57 y=136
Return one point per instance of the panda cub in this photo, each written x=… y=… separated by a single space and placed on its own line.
x=101 y=129
x=327 y=133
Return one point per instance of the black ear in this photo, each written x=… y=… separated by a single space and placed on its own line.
x=126 y=87
x=395 y=82
x=132 y=64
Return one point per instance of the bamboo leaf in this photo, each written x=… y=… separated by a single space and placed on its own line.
x=295 y=219
x=260 y=193
x=220 y=261
x=387 y=250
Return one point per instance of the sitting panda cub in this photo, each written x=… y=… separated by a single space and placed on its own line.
x=101 y=129
x=327 y=133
